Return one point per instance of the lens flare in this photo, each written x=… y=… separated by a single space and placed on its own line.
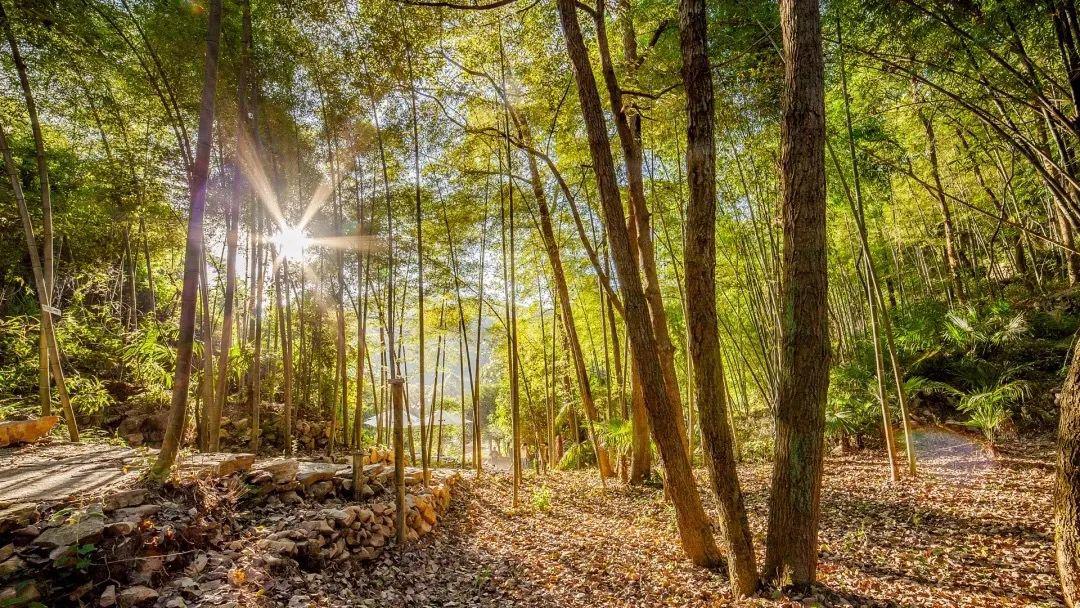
x=291 y=242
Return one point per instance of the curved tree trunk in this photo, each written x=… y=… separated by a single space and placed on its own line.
x=694 y=528
x=174 y=430
x=232 y=223
x=628 y=129
x=46 y=208
x=563 y=297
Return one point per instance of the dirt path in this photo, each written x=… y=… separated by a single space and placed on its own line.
x=972 y=531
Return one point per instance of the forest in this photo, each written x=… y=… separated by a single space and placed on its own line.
x=539 y=302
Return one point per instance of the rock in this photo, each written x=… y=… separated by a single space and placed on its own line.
x=121 y=528
x=363 y=514
x=217 y=464
x=124 y=498
x=282 y=470
x=108 y=597
x=11 y=565
x=260 y=478
x=81 y=528
x=16 y=516
x=27 y=532
x=317 y=526
x=321 y=489
x=14 y=432
x=7 y=551
x=313 y=472
x=136 y=596
x=20 y=594
x=341 y=517
x=280 y=547
x=291 y=498
x=136 y=514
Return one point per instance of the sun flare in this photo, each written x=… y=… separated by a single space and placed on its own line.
x=291 y=242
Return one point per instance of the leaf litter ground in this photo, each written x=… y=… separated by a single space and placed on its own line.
x=972 y=530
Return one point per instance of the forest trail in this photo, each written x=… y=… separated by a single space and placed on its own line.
x=972 y=531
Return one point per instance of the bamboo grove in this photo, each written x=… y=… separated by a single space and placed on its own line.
x=555 y=234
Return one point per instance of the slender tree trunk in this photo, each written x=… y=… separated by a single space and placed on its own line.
x=700 y=263
x=628 y=129
x=174 y=431
x=46 y=206
x=398 y=389
x=424 y=455
x=285 y=327
x=547 y=232
x=477 y=430
x=694 y=529
x=952 y=250
x=795 y=498
x=39 y=286
x=206 y=329
x=256 y=359
x=232 y=237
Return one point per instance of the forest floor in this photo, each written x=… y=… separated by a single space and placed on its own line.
x=972 y=530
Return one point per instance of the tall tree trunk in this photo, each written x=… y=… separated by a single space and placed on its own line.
x=694 y=529
x=174 y=431
x=952 y=250
x=256 y=358
x=39 y=287
x=795 y=498
x=285 y=327
x=1067 y=489
x=206 y=383
x=628 y=129
x=46 y=207
x=477 y=431
x=700 y=263
x=565 y=304
x=232 y=228
x=424 y=455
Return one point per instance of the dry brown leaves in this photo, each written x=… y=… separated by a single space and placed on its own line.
x=970 y=531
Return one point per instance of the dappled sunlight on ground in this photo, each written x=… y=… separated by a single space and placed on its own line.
x=969 y=532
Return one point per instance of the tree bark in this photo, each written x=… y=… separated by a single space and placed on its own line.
x=285 y=327
x=700 y=263
x=174 y=431
x=39 y=286
x=232 y=223
x=795 y=498
x=1067 y=490
x=628 y=129
x=547 y=232
x=46 y=206
x=952 y=252
x=694 y=529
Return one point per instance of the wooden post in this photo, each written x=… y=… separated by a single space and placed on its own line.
x=357 y=470
x=398 y=387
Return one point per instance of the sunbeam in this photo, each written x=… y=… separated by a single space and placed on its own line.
x=291 y=242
